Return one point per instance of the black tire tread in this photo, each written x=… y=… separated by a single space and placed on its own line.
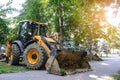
x=42 y=59
x=15 y=53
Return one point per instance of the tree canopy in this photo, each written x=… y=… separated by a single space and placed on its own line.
x=4 y=29
x=79 y=20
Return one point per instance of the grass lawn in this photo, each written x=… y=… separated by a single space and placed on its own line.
x=6 y=68
x=117 y=76
x=105 y=56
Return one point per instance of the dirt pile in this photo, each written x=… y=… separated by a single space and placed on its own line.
x=97 y=58
x=68 y=62
x=71 y=60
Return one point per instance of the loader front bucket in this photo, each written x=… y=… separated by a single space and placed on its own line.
x=68 y=62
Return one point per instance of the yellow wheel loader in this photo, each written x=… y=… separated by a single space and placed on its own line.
x=32 y=45
x=34 y=48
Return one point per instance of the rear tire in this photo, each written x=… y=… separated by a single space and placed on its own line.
x=34 y=56
x=14 y=56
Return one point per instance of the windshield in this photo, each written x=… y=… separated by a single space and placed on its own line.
x=37 y=29
x=30 y=29
x=43 y=30
x=33 y=29
x=22 y=30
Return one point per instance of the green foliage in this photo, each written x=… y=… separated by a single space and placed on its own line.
x=85 y=20
x=114 y=37
x=81 y=18
x=62 y=71
x=4 y=30
x=32 y=13
x=117 y=76
x=7 y=33
x=12 y=34
x=37 y=10
x=34 y=10
x=61 y=12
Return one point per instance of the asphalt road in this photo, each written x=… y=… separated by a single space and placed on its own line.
x=102 y=70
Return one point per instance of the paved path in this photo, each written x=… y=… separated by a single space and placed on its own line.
x=101 y=71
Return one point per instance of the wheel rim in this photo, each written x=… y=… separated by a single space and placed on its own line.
x=32 y=56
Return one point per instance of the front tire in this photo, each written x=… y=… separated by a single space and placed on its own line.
x=34 y=56
x=14 y=56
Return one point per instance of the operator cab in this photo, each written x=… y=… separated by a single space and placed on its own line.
x=28 y=29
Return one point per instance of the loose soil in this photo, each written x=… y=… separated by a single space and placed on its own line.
x=70 y=60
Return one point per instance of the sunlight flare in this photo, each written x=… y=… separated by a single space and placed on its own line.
x=113 y=15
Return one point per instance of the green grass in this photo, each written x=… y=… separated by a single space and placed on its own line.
x=117 y=76
x=6 y=68
x=105 y=57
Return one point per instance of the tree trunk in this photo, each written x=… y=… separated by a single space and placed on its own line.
x=89 y=46
x=60 y=22
x=90 y=50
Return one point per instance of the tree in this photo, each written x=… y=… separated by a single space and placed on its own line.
x=113 y=37
x=85 y=21
x=61 y=12
x=34 y=10
x=80 y=18
x=4 y=30
x=50 y=11
x=39 y=11
x=6 y=8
